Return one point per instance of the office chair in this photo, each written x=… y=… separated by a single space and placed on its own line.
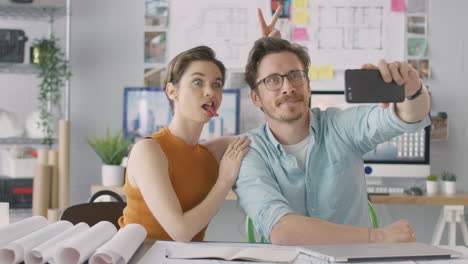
x=250 y=232
x=92 y=213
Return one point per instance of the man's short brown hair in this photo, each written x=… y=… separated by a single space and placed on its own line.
x=268 y=45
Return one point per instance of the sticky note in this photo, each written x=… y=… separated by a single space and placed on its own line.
x=325 y=72
x=313 y=72
x=398 y=6
x=300 y=3
x=299 y=34
x=301 y=17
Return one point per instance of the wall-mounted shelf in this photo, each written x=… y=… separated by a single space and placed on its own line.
x=18 y=68
x=31 y=12
x=20 y=141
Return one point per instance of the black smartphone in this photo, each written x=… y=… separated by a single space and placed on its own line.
x=367 y=86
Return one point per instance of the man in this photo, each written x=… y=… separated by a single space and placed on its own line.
x=302 y=181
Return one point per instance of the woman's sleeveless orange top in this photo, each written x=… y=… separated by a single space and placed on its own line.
x=193 y=172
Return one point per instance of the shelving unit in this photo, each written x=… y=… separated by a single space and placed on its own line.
x=49 y=11
x=17 y=68
x=30 y=12
x=20 y=141
x=417 y=28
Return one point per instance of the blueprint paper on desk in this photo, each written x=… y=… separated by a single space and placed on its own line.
x=157 y=254
x=160 y=252
x=233 y=253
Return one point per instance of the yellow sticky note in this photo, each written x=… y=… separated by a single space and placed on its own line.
x=301 y=17
x=313 y=72
x=300 y=3
x=326 y=72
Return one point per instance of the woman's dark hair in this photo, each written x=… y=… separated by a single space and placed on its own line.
x=177 y=67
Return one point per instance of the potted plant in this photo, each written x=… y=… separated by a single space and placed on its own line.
x=111 y=149
x=53 y=72
x=449 y=180
x=431 y=184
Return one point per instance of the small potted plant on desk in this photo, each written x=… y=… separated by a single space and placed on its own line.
x=449 y=180
x=111 y=149
x=431 y=184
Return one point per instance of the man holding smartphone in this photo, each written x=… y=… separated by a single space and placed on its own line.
x=302 y=181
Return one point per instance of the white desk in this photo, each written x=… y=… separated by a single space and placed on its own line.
x=452 y=211
x=149 y=253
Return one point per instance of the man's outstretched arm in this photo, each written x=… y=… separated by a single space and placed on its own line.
x=417 y=103
x=294 y=229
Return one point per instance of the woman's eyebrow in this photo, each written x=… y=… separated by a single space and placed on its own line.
x=202 y=74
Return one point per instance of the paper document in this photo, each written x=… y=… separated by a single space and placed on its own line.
x=79 y=248
x=233 y=253
x=19 y=229
x=349 y=33
x=16 y=251
x=121 y=247
x=229 y=27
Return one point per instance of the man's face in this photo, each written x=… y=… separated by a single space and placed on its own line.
x=290 y=101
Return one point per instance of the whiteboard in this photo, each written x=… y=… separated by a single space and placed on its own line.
x=366 y=30
x=349 y=33
x=229 y=27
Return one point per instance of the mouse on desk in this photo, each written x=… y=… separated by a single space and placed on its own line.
x=414 y=191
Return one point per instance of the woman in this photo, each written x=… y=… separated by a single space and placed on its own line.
x=174 y=185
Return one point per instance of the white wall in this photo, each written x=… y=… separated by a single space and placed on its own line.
x=448 y=52
x=107 y=55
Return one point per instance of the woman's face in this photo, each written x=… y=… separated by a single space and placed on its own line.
x=199 y=92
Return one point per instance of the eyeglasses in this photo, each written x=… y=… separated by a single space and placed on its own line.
x=275 y=81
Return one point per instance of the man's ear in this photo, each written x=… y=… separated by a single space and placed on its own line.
x=309 y=92
x=171 y=91
x=255 y=98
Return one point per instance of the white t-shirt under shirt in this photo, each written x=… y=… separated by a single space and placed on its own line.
x=299 y=151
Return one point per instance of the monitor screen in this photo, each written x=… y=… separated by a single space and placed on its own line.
x=410 y=151
x=147 y=110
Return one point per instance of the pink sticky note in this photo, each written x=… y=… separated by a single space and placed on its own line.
x=398 y=6
x=299 y=34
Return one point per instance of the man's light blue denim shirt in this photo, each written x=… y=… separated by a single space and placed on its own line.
x=271 y=185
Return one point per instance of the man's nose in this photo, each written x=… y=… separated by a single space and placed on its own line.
x=287 y=87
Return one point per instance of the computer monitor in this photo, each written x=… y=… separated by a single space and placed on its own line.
x=404 y=156
x=146 y=110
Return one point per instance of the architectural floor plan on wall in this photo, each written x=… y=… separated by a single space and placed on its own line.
x=227 y=26
x=347 y=34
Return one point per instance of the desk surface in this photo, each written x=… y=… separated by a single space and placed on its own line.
x=149 y=254
x=460 y=198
